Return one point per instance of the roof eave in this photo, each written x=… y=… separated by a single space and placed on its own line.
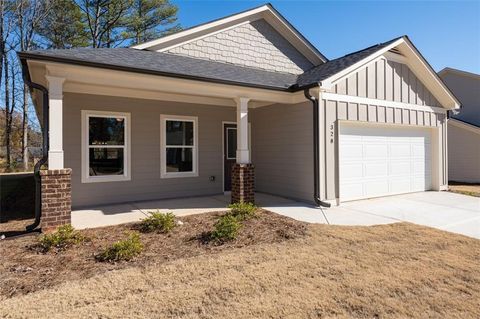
x=25 y=56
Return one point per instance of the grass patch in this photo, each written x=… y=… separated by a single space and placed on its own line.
x=64 y=237
x=125 y=249
x=243 y=211
x=159 y=222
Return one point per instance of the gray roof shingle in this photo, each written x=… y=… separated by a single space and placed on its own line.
x=166 y=64
x=324 y=71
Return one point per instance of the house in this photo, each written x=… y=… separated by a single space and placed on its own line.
x=464 y=126
x=242 y=104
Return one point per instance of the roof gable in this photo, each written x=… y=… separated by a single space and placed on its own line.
x=266 y=12
x=253 y=44
x=401 y=49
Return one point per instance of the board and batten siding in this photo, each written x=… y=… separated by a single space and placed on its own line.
x=145 y=183
x=282 y=150
x=463 y=153
x=386 y=80
x=332 y=112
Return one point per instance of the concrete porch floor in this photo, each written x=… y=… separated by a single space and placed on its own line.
x=443 y=210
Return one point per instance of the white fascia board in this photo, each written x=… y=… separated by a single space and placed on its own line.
x=377 y=102
x=431 y=79
x=463 y=125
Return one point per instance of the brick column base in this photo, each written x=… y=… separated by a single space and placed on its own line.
x=56 y=194
x=243 y=183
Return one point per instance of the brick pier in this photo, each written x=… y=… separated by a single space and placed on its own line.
x=243 y=183
x=56 y=197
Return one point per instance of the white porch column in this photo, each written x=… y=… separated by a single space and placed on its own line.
x=55 y=95
x=243 y=152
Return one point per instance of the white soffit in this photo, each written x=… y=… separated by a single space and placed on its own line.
x=264 y=12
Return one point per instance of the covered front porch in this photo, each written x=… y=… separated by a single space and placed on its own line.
x=119 y=137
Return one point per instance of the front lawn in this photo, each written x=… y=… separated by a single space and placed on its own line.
x=281 y=269
x=465 y=188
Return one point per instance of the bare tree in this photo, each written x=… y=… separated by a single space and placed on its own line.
x=103 y=19
x=28 y=16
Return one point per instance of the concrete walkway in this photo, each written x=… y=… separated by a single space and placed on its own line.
x=443 y=210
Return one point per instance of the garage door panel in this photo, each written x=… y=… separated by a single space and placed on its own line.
x=399 y=168
x=399 y=150
x=378 y=161
x=375 y=169
x=351 y=151
x=374 y=188
x=352 y=171
x=375 y=150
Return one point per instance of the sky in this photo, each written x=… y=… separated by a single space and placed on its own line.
x=447 y=33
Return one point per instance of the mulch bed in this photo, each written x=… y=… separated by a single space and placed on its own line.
x=470 y=189
x=24 y=269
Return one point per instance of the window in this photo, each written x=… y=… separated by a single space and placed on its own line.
x=105 y=146
x=179 y=153
x=231 y=143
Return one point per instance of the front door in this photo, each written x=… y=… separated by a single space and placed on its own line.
x=229 y=153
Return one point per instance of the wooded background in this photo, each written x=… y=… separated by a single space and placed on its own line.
x=62 y=24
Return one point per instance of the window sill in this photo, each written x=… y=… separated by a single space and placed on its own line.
x=178 y=175
x=105 y=179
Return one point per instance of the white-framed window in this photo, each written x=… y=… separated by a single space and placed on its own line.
x=105 y=146
x=179 y=146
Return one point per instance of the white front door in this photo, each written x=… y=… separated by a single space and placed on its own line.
x=383 y=160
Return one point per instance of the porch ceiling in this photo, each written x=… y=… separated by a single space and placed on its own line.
x=89 y=80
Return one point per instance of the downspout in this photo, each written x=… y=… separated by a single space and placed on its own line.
x=316 y=150
x=45 y=143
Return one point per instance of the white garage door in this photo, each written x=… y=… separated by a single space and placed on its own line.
x=379 y=161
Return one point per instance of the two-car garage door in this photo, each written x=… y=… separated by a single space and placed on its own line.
x=383 y=160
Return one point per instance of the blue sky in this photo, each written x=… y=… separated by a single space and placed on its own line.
x=447 y=33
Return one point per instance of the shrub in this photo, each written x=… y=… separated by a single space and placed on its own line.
x=161 y=222
x=226 y=228
x=62 y=238
x=125 y=249
x=243 y=211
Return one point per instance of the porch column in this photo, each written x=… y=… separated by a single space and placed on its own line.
x=243 y=153
x=55 y=95
x=243 y=174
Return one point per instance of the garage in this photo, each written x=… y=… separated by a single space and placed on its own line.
x=380 y=160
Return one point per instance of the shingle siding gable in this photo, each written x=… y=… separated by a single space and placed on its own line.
x=256 y=44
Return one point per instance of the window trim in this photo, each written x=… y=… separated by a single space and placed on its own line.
x=86 y=178
x=163 y=146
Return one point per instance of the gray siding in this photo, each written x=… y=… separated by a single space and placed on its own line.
x=256 y=44
x=467 y=89
x=145 y=180
x=333 y=111
x=282 y=150
x=387 y=80
x=463 y=155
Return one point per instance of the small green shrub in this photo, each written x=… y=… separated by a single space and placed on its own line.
x=125 y=249
x=160 y=222
x=226 y=228
x=243 y=211
x=62 y=238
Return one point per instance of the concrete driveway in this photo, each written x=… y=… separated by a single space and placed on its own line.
x=443 y=210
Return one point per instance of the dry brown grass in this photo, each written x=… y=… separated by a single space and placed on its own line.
x=465 y=189
x=389 y=271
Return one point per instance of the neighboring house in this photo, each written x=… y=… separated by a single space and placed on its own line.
x=211 y=108
x=464 y=126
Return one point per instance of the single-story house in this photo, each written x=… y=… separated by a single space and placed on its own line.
x=244 y=103
x=464 y=126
